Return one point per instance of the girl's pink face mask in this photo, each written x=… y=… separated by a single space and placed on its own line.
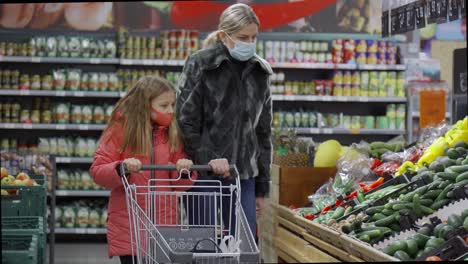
x=161 y=119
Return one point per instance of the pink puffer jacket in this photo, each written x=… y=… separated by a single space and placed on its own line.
x=103 y=171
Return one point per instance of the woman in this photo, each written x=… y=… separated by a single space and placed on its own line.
x=142 y=130
x=224 y=107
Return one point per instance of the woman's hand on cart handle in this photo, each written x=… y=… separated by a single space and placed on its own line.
x=184 y=164
x=133 y=165
x=220 y=166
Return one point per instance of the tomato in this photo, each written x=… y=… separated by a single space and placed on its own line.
x=433 y=258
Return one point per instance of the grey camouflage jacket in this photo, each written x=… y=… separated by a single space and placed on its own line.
x=222 y=116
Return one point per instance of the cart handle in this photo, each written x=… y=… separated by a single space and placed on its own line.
x=173 y=167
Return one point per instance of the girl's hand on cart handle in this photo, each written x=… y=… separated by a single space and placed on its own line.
x=184 y=164
x=220 y=166
x=133 y=165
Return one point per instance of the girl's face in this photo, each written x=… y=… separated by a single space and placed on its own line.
x=246 y=34
x=164 y=103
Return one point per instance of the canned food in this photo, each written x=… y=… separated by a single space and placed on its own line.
x=93 y=82
x=333 y=120
x=349 y=51
x=372 y=46
x=62 y=113
x=374 y=86
x=103 y=81
x=87 y=114
x=297 y=119
x=98 y=115
x=15 y=80
x=25 y=116
x=324 y=46
x=36 y=116
x=305 y=119
x=382 y=82
x=356 y=78
x=76 y=115
x=24 y=84
x=361 y=57
x=401 y=110
x=322 y=57
x=36 y=82
x=372 y=58
x=289 y=119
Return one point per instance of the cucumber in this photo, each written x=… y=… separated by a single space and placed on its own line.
x=458 y=162
x=364 y=238
x=388 y=212
x=439 y=204
x=412 y=247
x=462 y=151
x=386 y=221
x=461 y=183
x=402 y=255
x=459 y=169
x=465 y=162
x=426 y=210
x=465 y=224
x=409 y=196
x=348 y=210
x=371 y=233
x=455 y=221
x=432 y=194
x=360 y=197
x=461 y=144
x=435 y=242
x=445 y=230
x=421 y=239
x=375 y=209
x=346 y=229
x=426 y=202
x=339 y=212
x=417 y=205
x=464 y=214
x=447 y=175
x=453 y=154
x=436 y=166
x=378 y=216
x=438 y=228
x=443 y=194
x=450 y=195
x=397 y=207
x=425 y=230
x=395 y=227
x=396 y=246
x=462 y=177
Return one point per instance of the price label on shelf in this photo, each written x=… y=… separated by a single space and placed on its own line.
x=147 y=62
x=27 y=126
x=327 y=98
x=81 y=230
x=60 y=127
x=126 y=62
x=60 y=93
x=95 y=61
x=9 y=126
x=78 y=94
x=355 y=131
x=122 y=94
x=171 y=62
x=36 y=59
x=24 y=92
x=363 y=99
x=83 y=127
x=327 y=131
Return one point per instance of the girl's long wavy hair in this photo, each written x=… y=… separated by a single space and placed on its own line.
x=133 y=114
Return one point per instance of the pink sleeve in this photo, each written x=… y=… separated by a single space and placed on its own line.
x=180 y=154
x=106 y=159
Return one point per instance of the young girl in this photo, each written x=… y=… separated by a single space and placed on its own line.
x=142 y=130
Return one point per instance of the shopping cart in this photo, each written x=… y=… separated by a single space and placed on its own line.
x=172 y=238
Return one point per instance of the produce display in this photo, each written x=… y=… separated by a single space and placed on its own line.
x=43 y=111
x=21 y=179
x=344 y=83
x=61 y=46
x=394 y=119
x=289 y=150
x=76 y=180
x=81 y=214
x=380 y=210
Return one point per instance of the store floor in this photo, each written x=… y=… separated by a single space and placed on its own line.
x=81 y=253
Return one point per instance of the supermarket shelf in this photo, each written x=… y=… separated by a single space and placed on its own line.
x=314 y=98
x=59 y=60
x=82 y=193
x=418 y=114
x=158 y=62
x=52 y=127
x=61 y=93
x=343 y=131
x=73 y=160
x=89 y=231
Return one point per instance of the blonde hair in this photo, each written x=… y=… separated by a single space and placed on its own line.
x=133 y=113
x=233 y=19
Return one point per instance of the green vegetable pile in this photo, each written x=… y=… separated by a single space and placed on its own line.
x=378 y=148
x=426 y=239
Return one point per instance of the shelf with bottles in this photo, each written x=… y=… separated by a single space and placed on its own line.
x=369 y=84
x=316 y=122
x=76 y=179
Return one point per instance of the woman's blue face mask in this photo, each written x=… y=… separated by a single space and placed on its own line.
x=242 y=51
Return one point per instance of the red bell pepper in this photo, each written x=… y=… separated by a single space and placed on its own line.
x=377 y=183
x=387 y=168
x=339 y=202
x=375 y=163
x=310 y=217
x=326 y=209
x=352 y=195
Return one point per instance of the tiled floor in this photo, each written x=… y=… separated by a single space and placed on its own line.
x=83 y=253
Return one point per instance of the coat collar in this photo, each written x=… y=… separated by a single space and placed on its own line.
x=218 y=53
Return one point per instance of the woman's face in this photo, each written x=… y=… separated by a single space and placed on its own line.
x=164 y=103
x=246 y=34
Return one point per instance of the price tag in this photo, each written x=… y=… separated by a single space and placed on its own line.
x=432 y=107
x=64 y=160
x=355 y=131
x=95 y=61
x=81 y=230
x=314 y=131
x=327 y=131
x=24 y=92
x=36 y=59
x=146 y=62
x=341 y=98
x=78 y=94
x=126 y=62
x=327 y=98
x=9 y=126
x=27 y=126
x=171 y=62
x=60 y=127
x=363 y=99
x=83 y=127
x=60 y=93
x=122 y=94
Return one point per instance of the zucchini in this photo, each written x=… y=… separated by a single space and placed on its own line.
x=421 y=239
x=443 y=184
x=432 y=194
x=396 y=246
x=462 y=177
x=459 y=169
x=339 y=212
x=461 y=144
x=435 y=242
x=465 y=162
x=409 y=196
x=439 y=204
x=360 y=196
x=375 y=209
x=464 y=214
x=402 y=255
x=450 y=195
x=378 y=216
x=438 y=228
x=386 y=221
x=412 y=247
x=346 y=229
x=447 y=175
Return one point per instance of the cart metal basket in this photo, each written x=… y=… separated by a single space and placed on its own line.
x=160 y=229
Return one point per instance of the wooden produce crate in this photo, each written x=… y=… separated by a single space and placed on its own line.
x=292 y=185
x=365 y=251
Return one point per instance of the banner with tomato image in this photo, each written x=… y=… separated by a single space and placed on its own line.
x=323 y=16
